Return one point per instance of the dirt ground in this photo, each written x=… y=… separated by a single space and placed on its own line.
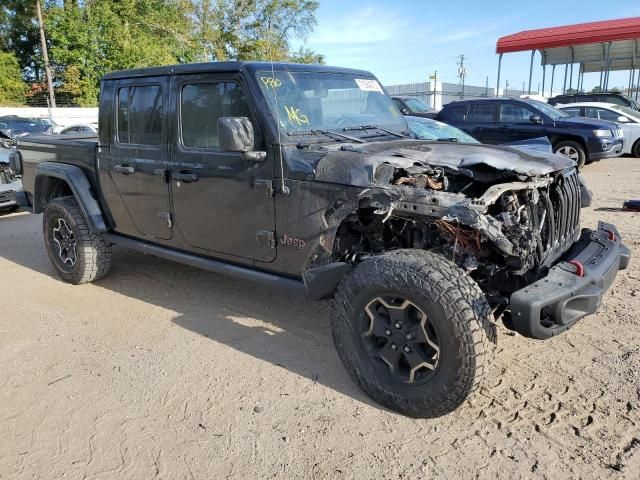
x=165 y=371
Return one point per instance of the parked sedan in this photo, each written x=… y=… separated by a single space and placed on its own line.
x=504 y=120
x=628 y=119
x=20 y=126
x=427 y=129
x=414 y=106
x=80 y=130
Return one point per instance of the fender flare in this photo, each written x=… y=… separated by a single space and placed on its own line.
x=80 y=187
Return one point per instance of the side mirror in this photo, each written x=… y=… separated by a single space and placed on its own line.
x=535 y=119
x=235 y=134
x=405 y=111
x=622 y=119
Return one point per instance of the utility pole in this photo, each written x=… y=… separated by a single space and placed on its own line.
x=45 y=55
x=506 y=89
x=462 y=73
x=434 y=77
x=486 y=87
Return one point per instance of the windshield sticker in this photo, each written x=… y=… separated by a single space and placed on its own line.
x=271 y=82
x=296 y=117
x=394 y=111
x=368 y=85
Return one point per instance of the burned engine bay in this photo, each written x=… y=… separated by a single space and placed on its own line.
x=501 y=214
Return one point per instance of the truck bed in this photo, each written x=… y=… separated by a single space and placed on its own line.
x=79 y=150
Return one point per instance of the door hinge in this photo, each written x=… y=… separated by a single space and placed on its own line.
x=266 y=185
x=165 y=218
x=266 y=239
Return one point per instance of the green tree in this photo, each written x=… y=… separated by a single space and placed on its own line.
x=12 y=87
x=19 y=34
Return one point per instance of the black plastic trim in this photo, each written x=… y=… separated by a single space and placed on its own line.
x=321 y=282
x=80 y=186
x=556 y=302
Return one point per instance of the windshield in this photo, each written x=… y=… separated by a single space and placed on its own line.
x=426 y=129
x=548 y=110
x=416 y=105
x=315 y=101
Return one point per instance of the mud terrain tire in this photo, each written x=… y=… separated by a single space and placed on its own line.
x=87 y=254
x=454 y=311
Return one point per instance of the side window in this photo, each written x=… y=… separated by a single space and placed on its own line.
x=573 y=111
x=616 y=100
x=591 y=112
x=511 y=113
x=604 y=114
x=398 y=104
x=456 y=113
x=140 y=115
x=484 y=112
x=201 y=104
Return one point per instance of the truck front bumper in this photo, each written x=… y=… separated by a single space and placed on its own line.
x=573 y=288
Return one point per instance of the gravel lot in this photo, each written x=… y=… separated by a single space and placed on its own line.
x=165 y=371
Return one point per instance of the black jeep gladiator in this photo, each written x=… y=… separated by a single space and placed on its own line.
x=307 y=176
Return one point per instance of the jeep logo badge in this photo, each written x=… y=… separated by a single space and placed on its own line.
x=288 y=241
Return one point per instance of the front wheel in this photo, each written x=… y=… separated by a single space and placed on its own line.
x=414 y=331
x=78 y=254
x=572 y=150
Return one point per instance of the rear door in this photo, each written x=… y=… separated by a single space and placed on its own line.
x=222 y=203
x=138 y=157
x=482 y=122
x=516 y=124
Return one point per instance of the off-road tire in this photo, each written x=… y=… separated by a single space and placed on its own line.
x=579 y=149
x=93 y=253
x=453 y=304
x=635 y=151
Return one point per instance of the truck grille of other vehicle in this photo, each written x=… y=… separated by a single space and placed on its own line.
x=561 y=225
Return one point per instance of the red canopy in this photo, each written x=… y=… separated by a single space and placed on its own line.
x=571 y=35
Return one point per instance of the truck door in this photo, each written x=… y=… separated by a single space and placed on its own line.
x=138 y=157
x=222 y=203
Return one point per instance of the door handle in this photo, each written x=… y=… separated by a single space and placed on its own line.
x=185 y=176
x=124 y=169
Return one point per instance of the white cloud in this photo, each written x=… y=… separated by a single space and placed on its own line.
x=365 y=26
x=466 y=34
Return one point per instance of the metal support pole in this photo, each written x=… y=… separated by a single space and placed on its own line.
x=566 y=69
x=553 y=74
x=544 y=76
x=638 y=86
x=533 y=53
x=581 y=89
x=632 y=80
x=607 y=66
x=498 y=82
x=571 y=77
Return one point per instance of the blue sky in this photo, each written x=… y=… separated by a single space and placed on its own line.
x=404 y=41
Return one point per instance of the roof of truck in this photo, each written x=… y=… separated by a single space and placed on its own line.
x=227 y=67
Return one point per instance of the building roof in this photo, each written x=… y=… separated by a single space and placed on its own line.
x=571 y=35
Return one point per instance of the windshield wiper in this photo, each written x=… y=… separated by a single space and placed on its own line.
x=374 y=127
x=327 y=133
x=448 y=139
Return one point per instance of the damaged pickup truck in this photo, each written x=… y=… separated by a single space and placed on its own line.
x=303 y=175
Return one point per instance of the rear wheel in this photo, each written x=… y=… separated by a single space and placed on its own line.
x=414 y=331
x=78 y=254
x=572 y=150
x=636 y=149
